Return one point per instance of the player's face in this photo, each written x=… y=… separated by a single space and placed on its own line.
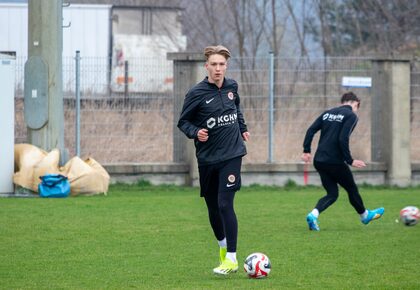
x=216 y=66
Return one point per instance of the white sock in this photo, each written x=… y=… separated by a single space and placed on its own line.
x=315 y=212
x=364 y=215
x=231 y=256
x=222 y=243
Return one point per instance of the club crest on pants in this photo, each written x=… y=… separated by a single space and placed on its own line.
x=231 y=178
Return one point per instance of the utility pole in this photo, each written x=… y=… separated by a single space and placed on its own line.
x=44 y=110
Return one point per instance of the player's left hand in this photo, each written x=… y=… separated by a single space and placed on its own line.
x=245 y=136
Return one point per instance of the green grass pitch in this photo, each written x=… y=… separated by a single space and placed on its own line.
x=158 y=237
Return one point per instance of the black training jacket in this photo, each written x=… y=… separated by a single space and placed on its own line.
x=217 y=110
x=336 y=125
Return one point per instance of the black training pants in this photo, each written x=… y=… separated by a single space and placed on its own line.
x=219 y=183
x=223 y=218
x=333 y=175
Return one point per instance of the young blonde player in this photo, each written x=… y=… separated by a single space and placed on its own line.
x=211 y=116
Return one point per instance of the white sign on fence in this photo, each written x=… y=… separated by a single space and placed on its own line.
x=357 y=82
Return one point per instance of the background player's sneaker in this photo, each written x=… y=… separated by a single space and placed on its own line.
x=226 y=267
x=312 y=222
x=373 y=215
x=222 y=254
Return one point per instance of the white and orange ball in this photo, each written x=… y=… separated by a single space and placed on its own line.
x=257 y=265
x=410 y=215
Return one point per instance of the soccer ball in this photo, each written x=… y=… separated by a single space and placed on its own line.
x=410 y=215
x=257 y=265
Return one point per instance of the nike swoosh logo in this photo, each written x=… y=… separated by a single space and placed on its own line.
x=230 y=185
x=209 y=101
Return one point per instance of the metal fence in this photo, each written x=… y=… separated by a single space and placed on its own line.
x=135 y=124
x=303 y=88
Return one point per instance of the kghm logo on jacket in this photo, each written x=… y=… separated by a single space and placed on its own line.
x=222 y=120
x=333 y=117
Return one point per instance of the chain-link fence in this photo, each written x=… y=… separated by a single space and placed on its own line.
x=127 y=114
x=303 y=88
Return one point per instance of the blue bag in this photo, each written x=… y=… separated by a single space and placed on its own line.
x=54 y=185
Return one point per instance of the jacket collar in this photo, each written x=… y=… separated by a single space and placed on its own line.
x=206 y=80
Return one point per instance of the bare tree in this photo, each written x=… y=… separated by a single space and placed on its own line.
x=300 y=31
x=351 y=27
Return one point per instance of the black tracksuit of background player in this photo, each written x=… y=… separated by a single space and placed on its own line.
x=333 y=153
x=336 y=125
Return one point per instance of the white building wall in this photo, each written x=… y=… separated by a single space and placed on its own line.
x=14 y=28
x=89 y=32
x=148 y=70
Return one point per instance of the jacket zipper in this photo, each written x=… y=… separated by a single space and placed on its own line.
x=221 y=99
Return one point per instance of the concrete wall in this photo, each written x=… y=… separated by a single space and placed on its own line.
x=156 y=174
x=188 y=71
x=390 y=118
x=263 y=174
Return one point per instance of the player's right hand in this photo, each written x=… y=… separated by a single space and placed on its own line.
x=358 y=163
x=306 y=157
x=203 y=135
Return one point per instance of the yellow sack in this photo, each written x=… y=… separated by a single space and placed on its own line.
x=85 y=176
x=48 y=165
x=32 y=162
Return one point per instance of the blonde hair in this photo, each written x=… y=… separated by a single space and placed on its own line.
x=216 y=49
